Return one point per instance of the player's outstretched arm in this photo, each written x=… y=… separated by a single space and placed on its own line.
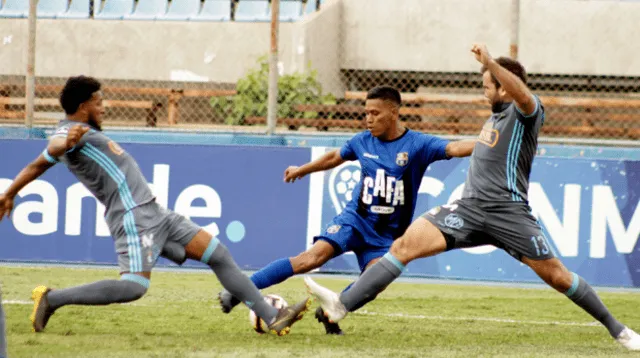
x=461 y=148
x=327 y=161
x=26 y=176
x=513 y=85
x=57 y=147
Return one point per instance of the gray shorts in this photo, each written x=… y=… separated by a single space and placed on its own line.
x=509 y=226
x=140 y=235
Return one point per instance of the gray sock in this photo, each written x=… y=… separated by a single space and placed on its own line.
x=584 y=296
x=3 y=332
x=373 y=281
x=233 y=280
x=100 y=293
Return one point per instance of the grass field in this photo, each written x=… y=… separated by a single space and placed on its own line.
x=179 y=317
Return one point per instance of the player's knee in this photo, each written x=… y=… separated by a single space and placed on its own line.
x=306 y=262
x=555 y=275
x=401 y=249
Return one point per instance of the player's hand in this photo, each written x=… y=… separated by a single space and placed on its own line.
x=75 y=134
x=482 y=54
x=292 y=174
x=6 y=206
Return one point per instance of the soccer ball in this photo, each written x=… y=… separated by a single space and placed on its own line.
x=256 y=322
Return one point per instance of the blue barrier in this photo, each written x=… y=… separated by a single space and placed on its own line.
x=585 y=197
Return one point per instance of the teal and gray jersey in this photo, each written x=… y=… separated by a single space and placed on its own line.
x=502 y=158
x=110 y=173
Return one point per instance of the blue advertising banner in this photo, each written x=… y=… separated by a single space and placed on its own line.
x=236 y=193
x=589 y=211
x=588 y=208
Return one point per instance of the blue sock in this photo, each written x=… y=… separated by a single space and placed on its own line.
x=273 y=273
x=361 y=303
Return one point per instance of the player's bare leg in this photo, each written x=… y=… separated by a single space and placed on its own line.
x=422 y=239
x=556 y=275
x=211 y=251
x=130 y=287
x=282 y=269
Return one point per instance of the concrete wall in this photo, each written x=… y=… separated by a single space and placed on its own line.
x=319 y=45
x=219 y=52
x=556 y=36
x=422 y=35
x=581 y=37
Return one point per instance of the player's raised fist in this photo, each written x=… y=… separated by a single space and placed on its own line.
x=481 y=53
x=292 y=174
x=75 y=133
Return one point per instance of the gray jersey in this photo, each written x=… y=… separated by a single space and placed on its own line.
x=502 y=158
x=110 y=173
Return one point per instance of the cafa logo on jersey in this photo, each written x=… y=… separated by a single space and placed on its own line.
x=402 y=159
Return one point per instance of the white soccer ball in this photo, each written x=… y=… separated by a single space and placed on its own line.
x=256 y=322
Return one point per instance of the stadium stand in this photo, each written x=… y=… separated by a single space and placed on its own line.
x=50 y=9
x=182 y=10
x=214 y=10
x=78 y=9
x=148 y=10
x=15 y=9
x=253 y=11
x=289 y=10
x=115 y=10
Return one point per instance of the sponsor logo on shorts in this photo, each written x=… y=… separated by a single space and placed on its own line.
x=333 y=229
x=453 y=221
x=402 y=159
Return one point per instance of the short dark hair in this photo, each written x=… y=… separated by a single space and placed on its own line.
x=510 y=65
x=76 y=91
x=386 y=93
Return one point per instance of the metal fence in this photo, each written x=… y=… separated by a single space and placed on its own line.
x=602 y=107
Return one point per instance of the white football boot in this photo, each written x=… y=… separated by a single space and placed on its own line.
x=629 y=339
x=334 y=310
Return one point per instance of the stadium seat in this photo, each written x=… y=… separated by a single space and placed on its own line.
x=253 y=10
x=15 y=9
x=115 y=10
x=310 y=7
x=289 y=10
x=78 y=9
x=50 y=9
x=182 y=10
x=214 y=10
x=148 y=10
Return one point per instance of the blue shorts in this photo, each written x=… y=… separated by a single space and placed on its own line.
x=345 y=237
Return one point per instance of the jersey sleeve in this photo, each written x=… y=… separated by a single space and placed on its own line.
x=348 y=150
x=62 y=131
x=434 y=148
x=538 y=113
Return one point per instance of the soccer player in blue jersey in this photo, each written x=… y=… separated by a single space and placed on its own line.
x=393 y=160
x=493 y=210
x=141 y=228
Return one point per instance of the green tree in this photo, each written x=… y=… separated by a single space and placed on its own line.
x=251 y=98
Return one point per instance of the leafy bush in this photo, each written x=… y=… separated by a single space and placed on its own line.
x=251 y=98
